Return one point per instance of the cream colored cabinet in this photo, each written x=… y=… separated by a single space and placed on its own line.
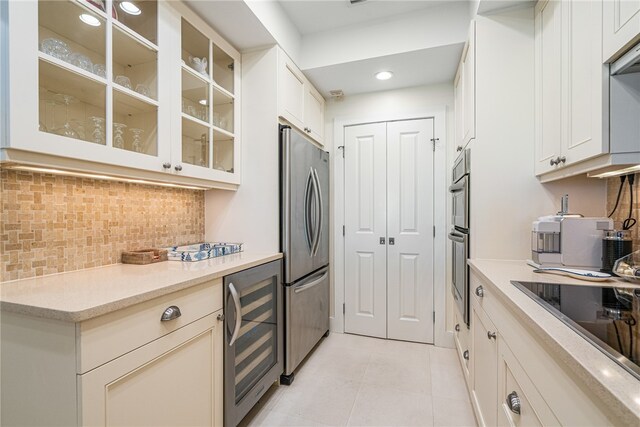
x=484 y=366
x=520 y=403
x=514 y=380
x=299 y=103
x=159 y=362
x=465 y=93
x=571 y=120
x=621 y=24
x=548 y=84
x=206 y=128
x=94 y=92
x=173 y=381
x=314 y=113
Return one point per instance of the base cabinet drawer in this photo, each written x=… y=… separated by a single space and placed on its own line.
x=520 y=404
x=106 y=337
x=172 y=381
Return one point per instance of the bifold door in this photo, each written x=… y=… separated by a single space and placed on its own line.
x=389 y=230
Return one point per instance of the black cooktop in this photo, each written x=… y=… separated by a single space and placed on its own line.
x=607 y=317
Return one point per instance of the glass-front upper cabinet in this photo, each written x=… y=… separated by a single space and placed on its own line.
x=86 y=82
x=209 y=112
x=139 y=88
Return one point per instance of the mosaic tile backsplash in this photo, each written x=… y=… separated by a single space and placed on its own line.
x=613 y=184
x=53 y=223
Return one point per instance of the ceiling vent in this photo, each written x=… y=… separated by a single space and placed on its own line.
x=338 y=93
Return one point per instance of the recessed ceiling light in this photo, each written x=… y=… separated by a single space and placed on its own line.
x=203 y=102
x=130 y=8
x=90 y=20
x=384 y=75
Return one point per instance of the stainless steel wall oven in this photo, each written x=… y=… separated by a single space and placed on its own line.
x=459 y=236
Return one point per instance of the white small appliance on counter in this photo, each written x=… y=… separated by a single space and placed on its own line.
x=568 y=240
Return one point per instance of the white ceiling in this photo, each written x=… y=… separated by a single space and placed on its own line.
x=312 y=16
x=417 y=68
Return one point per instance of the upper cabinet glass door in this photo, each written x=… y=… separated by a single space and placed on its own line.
x=98 y=72
x=208 y=99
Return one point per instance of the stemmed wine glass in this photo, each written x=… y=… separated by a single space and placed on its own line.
x=137 y=139
x=118 y=139
x=98 y=135
x=66 y=129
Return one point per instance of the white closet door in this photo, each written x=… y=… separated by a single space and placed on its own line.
x=365 y=224
x=410 y=230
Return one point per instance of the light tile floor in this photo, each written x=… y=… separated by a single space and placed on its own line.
x=361 y=381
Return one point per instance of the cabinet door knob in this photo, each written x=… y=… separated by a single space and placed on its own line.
x=178 y=168
x=457 y=327
x=170 y=313
x=491 y=335
x=459 y=148
x=166 y=165
x=465 y=355
x=553 y=162
x=220 y=317
x=562 y=159
x=480 y=291
x=513 y=402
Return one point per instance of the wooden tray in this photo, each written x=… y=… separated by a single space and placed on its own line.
x=144 y=256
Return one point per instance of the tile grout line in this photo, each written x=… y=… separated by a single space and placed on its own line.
x=360 y=384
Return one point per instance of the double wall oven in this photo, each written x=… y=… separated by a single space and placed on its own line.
x=459 y=235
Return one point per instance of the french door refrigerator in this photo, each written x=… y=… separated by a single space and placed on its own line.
x=304 y=233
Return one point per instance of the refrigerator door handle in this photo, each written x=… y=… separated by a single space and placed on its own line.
x=311 y=284
x=308 y=232
x=319 y=208
x=238 y=307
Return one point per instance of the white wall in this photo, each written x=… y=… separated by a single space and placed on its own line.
x=386 y=104
x=277 y=22
x=251 y=214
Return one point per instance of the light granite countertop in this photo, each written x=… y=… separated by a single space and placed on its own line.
x=611 y=383
x=83 y=294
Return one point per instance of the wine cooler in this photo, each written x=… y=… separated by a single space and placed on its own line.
x=253 y=353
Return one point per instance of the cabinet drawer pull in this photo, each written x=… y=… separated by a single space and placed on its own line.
x=457 y=327
x=465 y=355
x=513 y=402
x=170 y=313
x=480 y=291
x=491 y=335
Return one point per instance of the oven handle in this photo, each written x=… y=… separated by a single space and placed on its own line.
x=456 y=237
x=458 y=186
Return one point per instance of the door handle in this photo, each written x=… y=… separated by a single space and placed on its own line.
x=319 y=205
x=382 y=241
x=307 y=212
x=238 y=307
x=311 y=284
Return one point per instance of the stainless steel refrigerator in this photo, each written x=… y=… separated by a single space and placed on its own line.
x=304 y=237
